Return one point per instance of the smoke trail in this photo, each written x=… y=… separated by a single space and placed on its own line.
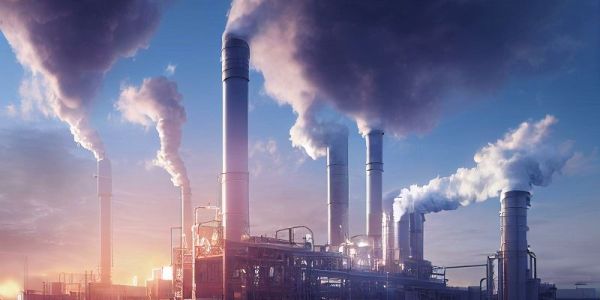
x=388 y=64
x=157 y=102
x=519 y=161
x=70 y=45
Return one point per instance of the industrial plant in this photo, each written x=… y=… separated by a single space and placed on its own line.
x=219 y=258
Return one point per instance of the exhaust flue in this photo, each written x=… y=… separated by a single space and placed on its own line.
x=513 y=248
x=235 y=58
x=186 y=216
x=337 y=190
x=416 y=222
x=104 y=195
x=374 y=141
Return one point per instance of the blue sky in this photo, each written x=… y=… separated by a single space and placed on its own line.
x=289 y=188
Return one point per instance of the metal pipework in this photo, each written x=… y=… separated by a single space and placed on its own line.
x=374 y=168
x=416 y=224
x=513 y=248
x=337 y=190
x=104 y=195
x=186 y=217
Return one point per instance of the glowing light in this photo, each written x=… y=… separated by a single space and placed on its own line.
x=134 y=280
x=363 y=244
x=10 y=289
x=167 y=273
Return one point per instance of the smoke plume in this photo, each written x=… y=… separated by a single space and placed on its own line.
x=522 y=159
x=388 y=64
x=157 y=102
x=70 y=45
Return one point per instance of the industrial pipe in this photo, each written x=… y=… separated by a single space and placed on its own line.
x=337 y=189
x=374 y=168
x=104 y=179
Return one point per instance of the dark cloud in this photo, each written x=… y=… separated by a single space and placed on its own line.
x=390 y=64
x=72 y=43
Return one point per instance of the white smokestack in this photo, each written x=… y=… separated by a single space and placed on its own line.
x=235 y=56
x=104 y=195
x=186 y=216
x=374 y=168
x=513 y=246
x=520 y=160
x=337 y=189
x=388 y=228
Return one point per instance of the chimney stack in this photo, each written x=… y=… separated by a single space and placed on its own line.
x=513 y=248
x=186 y=216
x=374 y=170
x=416 y=221
x=337 y=190
x=235 y=57
x=104 y=195
x=402 y=233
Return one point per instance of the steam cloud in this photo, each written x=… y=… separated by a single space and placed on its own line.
x=388 y=64
x=157 y=102
x=520 y=160
x=72 y=44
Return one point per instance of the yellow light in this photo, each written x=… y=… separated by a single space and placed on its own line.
x=10 y=289
x=167 y=273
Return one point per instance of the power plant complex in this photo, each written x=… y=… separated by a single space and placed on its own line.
x=219 y=258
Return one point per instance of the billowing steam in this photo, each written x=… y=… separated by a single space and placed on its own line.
x=388 y=64
x=519 y=161
x=157 y=102
x=69 y=45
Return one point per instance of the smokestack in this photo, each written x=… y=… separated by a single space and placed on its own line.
x=388 y=239
x=235 y=57
x=104 y=195
x=374 y=141
x=186 y=216
x=337 y=190
x=416 y=221
x=513 y=248
x=402 y=233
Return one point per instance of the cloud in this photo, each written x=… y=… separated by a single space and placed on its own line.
x=390 y=64
x=170 y=70
x=67 y=47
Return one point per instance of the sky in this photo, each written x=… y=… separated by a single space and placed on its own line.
x=49 y=207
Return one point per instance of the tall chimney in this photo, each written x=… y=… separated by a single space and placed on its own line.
x=235 y=57
x=416 y=222
x=513 y=248
x=374 y=164
x=104 y=195
x=186 y=216
x=337 y=190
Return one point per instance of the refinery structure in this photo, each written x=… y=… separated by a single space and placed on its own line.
x=219 y=258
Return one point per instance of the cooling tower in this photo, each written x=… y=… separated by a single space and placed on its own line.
x=104 y=195
x=416 y=222
x=337 y=190
x=374 y=168
x=186 y=216
x=513 y=248
x=234 y=58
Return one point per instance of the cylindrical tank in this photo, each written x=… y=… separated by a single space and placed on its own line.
x=337 y=189
x=402 y=234
x=513 y=248
x=374 y=168
x=104 y=196
x=235 y=58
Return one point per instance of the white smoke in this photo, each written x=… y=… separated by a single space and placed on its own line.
x=523 y=158
x=157 y=102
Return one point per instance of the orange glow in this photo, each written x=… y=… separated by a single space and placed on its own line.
x=10 y=289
